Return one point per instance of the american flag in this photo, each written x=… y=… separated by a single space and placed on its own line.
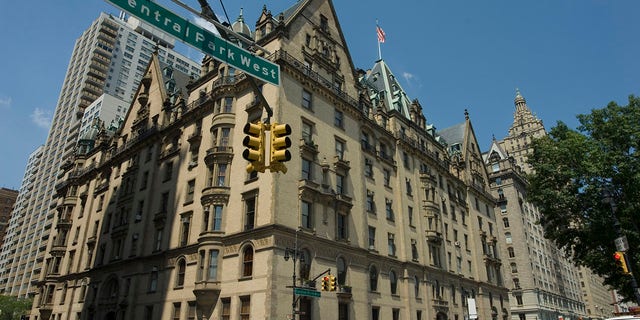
x=381 y=34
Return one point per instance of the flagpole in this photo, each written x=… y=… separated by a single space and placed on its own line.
x=378 y=37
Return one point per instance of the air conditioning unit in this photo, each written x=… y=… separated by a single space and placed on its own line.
x=457 y=243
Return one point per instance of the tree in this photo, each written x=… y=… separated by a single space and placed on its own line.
x=12 y=308
x=573 y=170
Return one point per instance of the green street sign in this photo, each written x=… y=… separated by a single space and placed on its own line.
x=306 y=292
x=201 y=39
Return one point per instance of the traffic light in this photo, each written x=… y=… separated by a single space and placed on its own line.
x=621 y=261
x=279 y=144
x=332 y=283
x=254 y=141
x=324 y=283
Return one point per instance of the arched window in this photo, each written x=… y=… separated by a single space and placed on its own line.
x=393 y=281
x=247 y=262
x=507 y=237
x=182 y=269
x=373 y=278
x=512 y=253
x=342 y=271
x=505 y=221
x=514 y=267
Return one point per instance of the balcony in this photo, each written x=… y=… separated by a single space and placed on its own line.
x=433 y=236
x=215 y=194
x=221 y=154
x=207 y=293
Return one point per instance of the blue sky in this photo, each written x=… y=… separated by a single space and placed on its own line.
x=567 y=57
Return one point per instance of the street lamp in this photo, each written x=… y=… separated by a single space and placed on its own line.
x=608 y=198
x=294 y=254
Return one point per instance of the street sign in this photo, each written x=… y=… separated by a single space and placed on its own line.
x=306 y=292
x=621 y=243
x=201 y=39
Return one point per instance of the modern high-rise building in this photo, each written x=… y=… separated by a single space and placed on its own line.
x=13 y=239
x=544 y=283
x=7 y=200
x=161 y=220
x=109 y=57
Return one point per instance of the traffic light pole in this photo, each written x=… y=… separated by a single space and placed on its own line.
x=616 y=224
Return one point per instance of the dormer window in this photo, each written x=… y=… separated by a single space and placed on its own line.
x=324 y=23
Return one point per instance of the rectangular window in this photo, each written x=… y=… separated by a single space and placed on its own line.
x=158 y=240
x=191 y=187
x=387 y=177
x=191 y=312
x=212 y=270
x=370 y=205
x=306 y=169
x=306 y=99
x=222 y=175
x=391 y=243
x=164 y=202
x=306 y=215
x=372 y=238
x=338 y=119
x=168 y=171
x=226 y=309
x=176 y=310
x=217 y=218
x=340 y=149
x=375 y=313
x=245 y=307
x=389 y=209
x=410 y=212
x=184 y=234
x=228 y=104
x=368 y=168
x=250 y=213
x=341 y=184
x=342 y=224
x=153 y=280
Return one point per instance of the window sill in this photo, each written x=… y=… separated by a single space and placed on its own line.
x=188 y=202
x=245 y=278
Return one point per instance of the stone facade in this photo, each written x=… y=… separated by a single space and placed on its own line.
x=160 y=220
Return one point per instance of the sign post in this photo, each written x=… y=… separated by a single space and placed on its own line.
x=201 y=39
x=306 y=292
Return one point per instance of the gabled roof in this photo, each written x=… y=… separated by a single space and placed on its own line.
x=384 y=87
x=494 y=151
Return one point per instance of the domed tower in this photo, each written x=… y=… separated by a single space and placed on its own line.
x=242 y=28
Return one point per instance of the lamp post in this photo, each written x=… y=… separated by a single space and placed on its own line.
x=608 y=198
x=294 y=254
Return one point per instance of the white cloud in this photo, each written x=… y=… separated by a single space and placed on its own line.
x=42 y=118
x=411 y=79
x=408 y=76
x=5 y=101
x=206 y=25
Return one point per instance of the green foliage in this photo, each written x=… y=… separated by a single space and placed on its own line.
x=11 y=308
x=573 y=168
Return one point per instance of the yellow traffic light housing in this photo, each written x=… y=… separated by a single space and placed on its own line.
x=254 y=141
x=279 y=144
x=332 y=283
x=621 y=261
x=324 y=286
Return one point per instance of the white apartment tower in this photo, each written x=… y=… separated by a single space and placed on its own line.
x=109 y=57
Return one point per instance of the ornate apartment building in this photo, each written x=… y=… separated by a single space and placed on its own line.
x=160 y=219
x=544 y=284
x=108 y=59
